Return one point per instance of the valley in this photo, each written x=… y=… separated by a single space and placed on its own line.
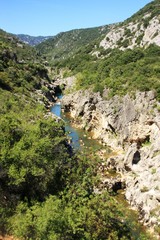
x=77 y=180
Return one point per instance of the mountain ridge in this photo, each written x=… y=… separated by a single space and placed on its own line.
x=65 y=44
x=32 y=40
x=136 y=31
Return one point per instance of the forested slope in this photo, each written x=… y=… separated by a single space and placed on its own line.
x=66 y=44
x=125 y=61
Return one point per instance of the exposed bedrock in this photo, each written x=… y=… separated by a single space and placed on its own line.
x=131 y=127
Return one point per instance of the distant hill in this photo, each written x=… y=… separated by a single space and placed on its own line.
x=65 y=44
x=31 y=40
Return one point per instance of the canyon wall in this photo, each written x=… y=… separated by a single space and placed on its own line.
x=130 y=126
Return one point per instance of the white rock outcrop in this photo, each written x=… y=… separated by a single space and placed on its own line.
x=131 y=127
x=135 y=33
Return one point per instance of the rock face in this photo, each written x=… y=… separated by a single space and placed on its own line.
x=134 y=34
x=131 y=127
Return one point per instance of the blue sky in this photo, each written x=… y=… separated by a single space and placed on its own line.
x=49 y=17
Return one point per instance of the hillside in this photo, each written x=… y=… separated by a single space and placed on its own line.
x=119 y=67
x=141 y=30
x=32 y=40
x=20 y=65
x=65 y=44
x=27 y=133
x=13 y=44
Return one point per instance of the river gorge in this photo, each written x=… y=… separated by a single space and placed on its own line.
x=128 y=128
x=81 y=140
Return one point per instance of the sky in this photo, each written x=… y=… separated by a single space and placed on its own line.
x=50 y=17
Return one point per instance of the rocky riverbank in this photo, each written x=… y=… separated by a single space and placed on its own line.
x=131 y=127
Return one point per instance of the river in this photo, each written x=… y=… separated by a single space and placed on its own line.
x=79 y=140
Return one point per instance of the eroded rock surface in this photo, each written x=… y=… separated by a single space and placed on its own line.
x=133 y=34
x=131 y=127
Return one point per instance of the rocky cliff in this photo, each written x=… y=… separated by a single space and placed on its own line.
x=130 y=125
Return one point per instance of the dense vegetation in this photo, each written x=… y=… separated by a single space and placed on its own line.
x=65 y=44
x=45 y=192
x=28 y=141
x=23 y=51
x=152 y=9
x=118 y=71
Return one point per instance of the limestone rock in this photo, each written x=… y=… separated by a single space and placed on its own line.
x=131 y=127
x=133 y=31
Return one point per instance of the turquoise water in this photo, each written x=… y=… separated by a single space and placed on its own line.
x=72 y=133
x=78 y=137
x=56 y=109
